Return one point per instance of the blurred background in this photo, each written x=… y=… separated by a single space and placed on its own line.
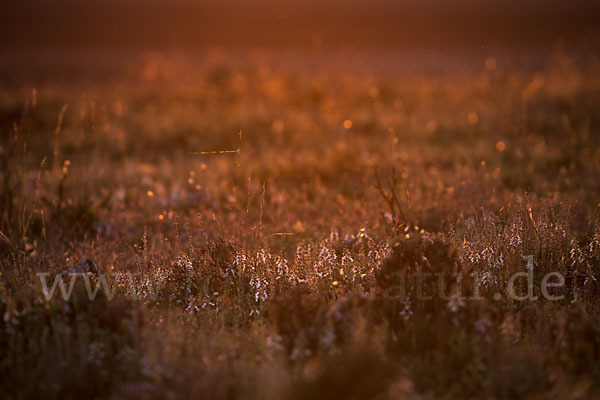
x=67 y=38
x=187 y=24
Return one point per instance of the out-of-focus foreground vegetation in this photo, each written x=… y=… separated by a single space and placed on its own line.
x=273 y=257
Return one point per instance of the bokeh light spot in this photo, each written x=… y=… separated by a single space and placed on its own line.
x=278 y=126
x=473 y=118
x=490 y=63
x=431 y=126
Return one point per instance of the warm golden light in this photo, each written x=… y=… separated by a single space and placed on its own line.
x=299 y=199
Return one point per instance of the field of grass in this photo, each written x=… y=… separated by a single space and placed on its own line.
x=256 y=215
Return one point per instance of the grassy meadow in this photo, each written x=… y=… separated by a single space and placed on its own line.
x=254 y=215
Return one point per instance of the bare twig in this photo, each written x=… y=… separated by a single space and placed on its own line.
x=389 y=196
